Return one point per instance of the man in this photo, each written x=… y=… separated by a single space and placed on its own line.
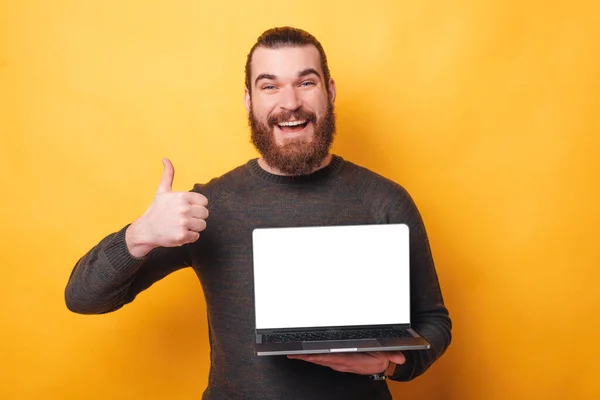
x=289 y=98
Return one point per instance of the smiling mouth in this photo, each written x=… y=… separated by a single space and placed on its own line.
x=292 y=126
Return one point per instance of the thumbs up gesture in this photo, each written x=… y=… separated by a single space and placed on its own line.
x=173 y=219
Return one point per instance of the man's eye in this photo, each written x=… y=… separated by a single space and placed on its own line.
x=268 y=87
x=307 y=83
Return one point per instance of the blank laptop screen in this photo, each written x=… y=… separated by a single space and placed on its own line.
x=331 y=276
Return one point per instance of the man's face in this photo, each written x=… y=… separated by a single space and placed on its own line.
x=290 y=110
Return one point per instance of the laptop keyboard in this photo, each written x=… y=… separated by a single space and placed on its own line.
x=335 y=335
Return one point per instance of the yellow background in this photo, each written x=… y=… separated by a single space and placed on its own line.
x=486 y=111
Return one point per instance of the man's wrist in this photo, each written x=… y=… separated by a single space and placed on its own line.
x=388 y=372
x=137 y=247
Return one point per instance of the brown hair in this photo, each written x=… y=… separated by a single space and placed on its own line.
x=286 y=36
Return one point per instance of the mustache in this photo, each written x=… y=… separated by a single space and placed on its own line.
x=275 y=119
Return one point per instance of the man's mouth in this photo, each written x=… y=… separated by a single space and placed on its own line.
x=292 y=126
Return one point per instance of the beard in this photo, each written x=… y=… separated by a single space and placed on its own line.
x=294 y=156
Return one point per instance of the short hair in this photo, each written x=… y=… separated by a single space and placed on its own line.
x=286 y=36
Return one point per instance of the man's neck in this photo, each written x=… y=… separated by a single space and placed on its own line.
x=272 y=170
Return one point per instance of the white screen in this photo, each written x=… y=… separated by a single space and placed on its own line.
x=331 y=276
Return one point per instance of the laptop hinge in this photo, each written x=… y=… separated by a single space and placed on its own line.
x=330 y=328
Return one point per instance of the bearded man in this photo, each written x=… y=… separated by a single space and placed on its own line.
x=289 y=98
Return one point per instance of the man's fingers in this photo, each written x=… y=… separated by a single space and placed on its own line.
x=326 y=361
x=397 y=357
x=325 y=358
x=198 y=199
x=196 y=224
x=166 y=181
x=361 y=363
x=191 y=237
x=193 y=198
x=199 y=212
x=394 y=356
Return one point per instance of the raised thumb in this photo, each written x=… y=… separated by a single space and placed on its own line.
x=166 y=181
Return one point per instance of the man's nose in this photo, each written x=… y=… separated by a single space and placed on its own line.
x=289 y=99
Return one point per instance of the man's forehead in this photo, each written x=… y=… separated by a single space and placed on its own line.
x=285 y=61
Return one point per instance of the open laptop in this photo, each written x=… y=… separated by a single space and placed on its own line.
x=333 y=289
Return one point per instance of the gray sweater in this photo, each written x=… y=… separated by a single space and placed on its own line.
x=108 y=277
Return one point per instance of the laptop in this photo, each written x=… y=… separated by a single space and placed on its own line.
x=332 y=289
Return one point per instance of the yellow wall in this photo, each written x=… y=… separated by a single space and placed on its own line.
x=486 y=111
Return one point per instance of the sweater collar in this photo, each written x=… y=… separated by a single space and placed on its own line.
x=323 y=173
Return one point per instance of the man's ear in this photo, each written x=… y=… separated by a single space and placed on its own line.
x=331 y=91
x=247 y=101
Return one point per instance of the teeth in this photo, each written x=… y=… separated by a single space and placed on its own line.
x=292 y=123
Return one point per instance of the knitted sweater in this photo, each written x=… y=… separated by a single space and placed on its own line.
x=108 y=276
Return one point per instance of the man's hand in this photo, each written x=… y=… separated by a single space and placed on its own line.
x=173 y=218
x=359 y=363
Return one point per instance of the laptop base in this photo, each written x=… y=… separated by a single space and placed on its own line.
x=342 y=346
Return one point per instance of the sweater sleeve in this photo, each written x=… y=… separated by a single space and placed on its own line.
x=108 y=276
x=429 y=315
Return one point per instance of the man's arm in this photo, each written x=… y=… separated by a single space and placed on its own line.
x=129 y=261
x=108 y=276
x=429 y=316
